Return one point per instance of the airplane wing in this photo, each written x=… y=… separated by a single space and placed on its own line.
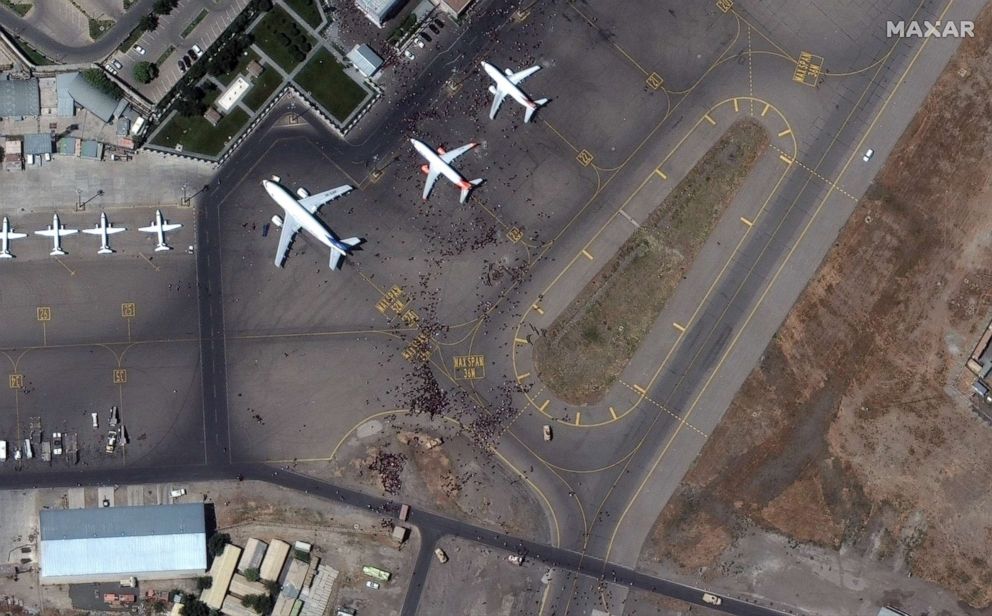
x=172 y=226
x=151 y=229
x=15 y=236
x=289 y=229
x=113 y=230
x=95 y=230
x=313 y=202
x=453 y=154
x=498 y=96
x=54 y=232
x=516 y=78
x=432 y=174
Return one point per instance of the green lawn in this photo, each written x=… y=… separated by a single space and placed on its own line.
x=33 y=54
x=18 y=7
x=246 y=58
x=264 y=86
x=327 y=83
x=197 y=135
x=193 y=24
x=282 y=38
x=165 y=56
x=99 y=27
x=307 y=9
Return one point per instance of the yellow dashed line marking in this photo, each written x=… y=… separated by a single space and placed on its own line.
x=686 y=423
x=785 y=159
x=578 y=416
x=537 y=309
x=679 y=327
x=661 y=173
x=736 y=107
x=544 y=406
x=639 y=389
x=613 y=413
x=746 y=221
x=709 y=119
x=523 y=376
x=765 y=110
x=820 y=177
x=520 y=340
x=585 y=253
x=785 y=132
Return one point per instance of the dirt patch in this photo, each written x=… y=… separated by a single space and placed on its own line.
x=587 y=347
x=855 y=424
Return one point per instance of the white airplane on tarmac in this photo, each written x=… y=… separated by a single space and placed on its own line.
x=507 y=84
x=57 y=231
x=104 y=230
x=7 y=234
x=440 y=164
x=160 y=225
x=301 y=212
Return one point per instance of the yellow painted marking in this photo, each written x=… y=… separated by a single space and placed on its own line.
x=470 y=367
x=746 y=221
x=585 y=253
x=521 y=15
x=654 y=81
x=410 y=318
x=679 y=326
x=515 y=235
x=639 y=389
x=44 y=313
x=120 y=376
x=154 y=267
x=785 y=132
x=725 y=5
x=584 y=157
x=544 y=406
x=808 y=69
x=537 y=309
x=128 y=310
x=661 y=173
x=785 y=159
x=521 y=377
x=578 y=416
x=613 y=413
x=707 y=117
x=16 y=381
x=765 y=110
x=736 y=107
x=520 y=340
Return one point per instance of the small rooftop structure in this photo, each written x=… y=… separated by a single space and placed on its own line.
x=213 y=116
x=365 y=60
x=254 y=68
x=19 y=98
x=378 y=11
x=94 y=100
x=38 y=144
x=109 y=543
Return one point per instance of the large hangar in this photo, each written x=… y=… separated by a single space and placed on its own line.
x=107 y=544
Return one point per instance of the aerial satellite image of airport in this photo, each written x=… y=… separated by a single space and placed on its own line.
x=496 y=307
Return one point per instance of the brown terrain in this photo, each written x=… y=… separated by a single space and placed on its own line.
x=856 y=431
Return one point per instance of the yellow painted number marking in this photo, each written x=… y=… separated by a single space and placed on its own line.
x=584 y=157
x=16 y=381
x=654 y=81
x=128 y=310
x=470 y=366
x=44 y=313
x=809 y=67
x=120 y=376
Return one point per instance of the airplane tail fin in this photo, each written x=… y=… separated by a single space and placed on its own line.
x=465 y=191
x=531 y=110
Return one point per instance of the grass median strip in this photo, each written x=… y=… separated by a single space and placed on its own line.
x=324 y=79
x=588 y=346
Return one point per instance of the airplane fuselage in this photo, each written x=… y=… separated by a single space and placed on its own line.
x=307 y=221
x=502 y=83
x=433 y=160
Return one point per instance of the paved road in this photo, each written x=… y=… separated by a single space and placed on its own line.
x=68 y=54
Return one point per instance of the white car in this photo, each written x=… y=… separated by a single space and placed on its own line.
x=868 y=154
x=139 y=49
x=178 y=492
x=409 y=55
x=197 y=51
x=711 y=599
x=372 y=585
x=419 y=42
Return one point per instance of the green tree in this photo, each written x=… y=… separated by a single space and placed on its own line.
x=204 y=582
x=251 y=574
x=262 y=604
x=216 y=543
x=149 y=22
x=145 y=72
x=272 y=586
x=194 y=607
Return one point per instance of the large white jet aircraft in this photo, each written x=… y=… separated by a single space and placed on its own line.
x=104 y=230
x=160 y=225
x=440 y=164
x=302 y=213
x=507 y=84
x=7 y=234
x=57 y=231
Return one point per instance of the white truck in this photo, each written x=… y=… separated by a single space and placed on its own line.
x=3 y=451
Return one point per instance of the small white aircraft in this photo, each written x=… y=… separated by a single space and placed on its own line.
x=302 y=213
x=440 y=164
x=160 y=225
x=7 y=234
x=57 y=231
x=507 y=84
x=104 y=230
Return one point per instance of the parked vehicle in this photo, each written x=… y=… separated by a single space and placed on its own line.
x=28 y=450
x=711 y=599
x=197 y=51
x=515 y=559
x=372 y=585
x=178 y=492
x=441 y=556
x=182 y=65
x=438 y=23
x=419 y=43
x=57 y=443
x=409 y=55
x=404 y=512
x=111 y=441
x=547 y=433
x=96 y=422
x=118 y=65
x=434 y=29
x=139 y=49
x=3 y=451
x=426 y=37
